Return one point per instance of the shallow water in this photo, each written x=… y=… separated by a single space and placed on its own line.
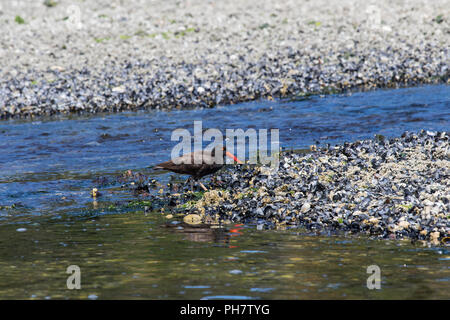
x=48 y=167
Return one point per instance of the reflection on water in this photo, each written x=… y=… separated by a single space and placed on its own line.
x=133 y=255
x=201 y=233
x=48 y=221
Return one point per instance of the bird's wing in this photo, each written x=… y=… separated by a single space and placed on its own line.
x=206 y=169
x=188 y=163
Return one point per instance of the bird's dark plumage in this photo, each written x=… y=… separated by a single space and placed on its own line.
x=196 y=164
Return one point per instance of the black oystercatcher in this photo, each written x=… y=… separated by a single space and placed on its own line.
x=205 y=164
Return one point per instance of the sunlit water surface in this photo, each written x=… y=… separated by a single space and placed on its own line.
x=48 y=167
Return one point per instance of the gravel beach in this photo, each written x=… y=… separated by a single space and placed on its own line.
x=91 y=56
x=388 y=188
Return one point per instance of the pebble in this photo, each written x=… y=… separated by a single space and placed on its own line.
x=192 y=219
x=305 y=207
x=235 y=271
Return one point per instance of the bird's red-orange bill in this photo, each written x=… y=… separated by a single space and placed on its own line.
x=232 y=156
